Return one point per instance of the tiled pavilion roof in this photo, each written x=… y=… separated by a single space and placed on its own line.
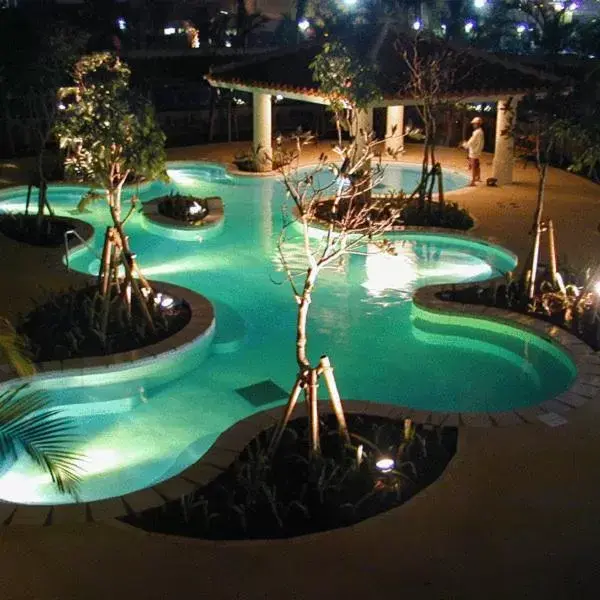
x=477 y=74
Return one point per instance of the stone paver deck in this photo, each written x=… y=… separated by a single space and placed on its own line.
x=514 y=515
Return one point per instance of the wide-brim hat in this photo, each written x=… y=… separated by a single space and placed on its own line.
x=478 y=120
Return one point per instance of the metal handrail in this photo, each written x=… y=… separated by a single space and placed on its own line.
x=73 y=232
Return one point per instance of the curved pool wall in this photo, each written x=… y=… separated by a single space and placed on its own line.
x=144 y=423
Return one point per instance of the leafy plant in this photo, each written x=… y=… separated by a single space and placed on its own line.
x=26 y=423
x=449 y=215
x=177 y=206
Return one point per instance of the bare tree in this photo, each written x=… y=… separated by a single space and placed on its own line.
x=350 y=219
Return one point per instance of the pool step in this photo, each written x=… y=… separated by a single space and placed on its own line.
x=230 y=331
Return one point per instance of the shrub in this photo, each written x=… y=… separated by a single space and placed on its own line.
x=68 y=325
x=260 y=496
x=450 y=216
x=177 y=206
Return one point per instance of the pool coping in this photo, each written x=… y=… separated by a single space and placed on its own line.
x=232 y=441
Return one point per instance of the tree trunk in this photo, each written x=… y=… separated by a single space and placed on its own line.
x=303 y=306
x=211 y=114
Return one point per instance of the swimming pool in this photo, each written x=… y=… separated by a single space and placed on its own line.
x=141 y=426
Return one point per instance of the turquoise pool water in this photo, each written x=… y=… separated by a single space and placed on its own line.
x=139 y=426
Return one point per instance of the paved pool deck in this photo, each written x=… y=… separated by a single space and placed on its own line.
x=515 y=515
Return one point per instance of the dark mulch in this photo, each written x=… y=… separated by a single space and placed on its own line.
x=289 y=495
x=67 y=325
x=24 y=229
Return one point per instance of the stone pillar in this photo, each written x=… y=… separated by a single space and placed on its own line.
x=394 y=139
x=502 y=166
x=261 y=120
x=364 y=123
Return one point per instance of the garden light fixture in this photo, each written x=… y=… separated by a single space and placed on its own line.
x=163 y=300
x=385 y=464
x=303 y=25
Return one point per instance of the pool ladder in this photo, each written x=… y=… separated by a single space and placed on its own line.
x=72 y=232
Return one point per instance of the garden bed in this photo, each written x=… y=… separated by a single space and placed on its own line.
x=65 y=326
x=187 y=209
x=24 y=229
x=550 y=306
x=448 y=216
x=289 y=495
x=173 y=211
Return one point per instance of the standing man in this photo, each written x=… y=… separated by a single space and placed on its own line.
x=475 y=147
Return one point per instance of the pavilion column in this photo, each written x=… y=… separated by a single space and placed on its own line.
x=502 y=166
x=261 y=120
x=394 y=130
x=364 y=123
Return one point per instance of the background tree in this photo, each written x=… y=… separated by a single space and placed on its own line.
x=527 y=26
x=37 y=52
x=111 y=136
x=550 y=126
x=433 y=72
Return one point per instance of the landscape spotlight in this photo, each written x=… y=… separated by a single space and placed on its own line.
x=469 y=26
x=521 y=28
x=303 y=25
x=416 y=25
x=164 y=300
x=479 y=3
x=385 y=464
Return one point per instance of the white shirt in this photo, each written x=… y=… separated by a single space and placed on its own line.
x=475 y=143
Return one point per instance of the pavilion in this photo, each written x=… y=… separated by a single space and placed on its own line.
x=479 y=77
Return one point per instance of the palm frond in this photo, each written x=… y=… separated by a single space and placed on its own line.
x=26 y=423
x=13 y=350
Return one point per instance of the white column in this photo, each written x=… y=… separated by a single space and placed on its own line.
x=394 y=138
x=502 y=166
x=364 y=124
x=261 y=118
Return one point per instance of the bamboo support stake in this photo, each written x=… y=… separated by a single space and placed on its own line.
x=28 y=198
x=557 y=280
x=313 y=411
x=289 y=409
x=106 y=283
x=334 y=396
x=104 y=274
x=138 y=293
x=440 y=185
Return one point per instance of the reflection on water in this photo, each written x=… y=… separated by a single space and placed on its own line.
x=392 y=278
